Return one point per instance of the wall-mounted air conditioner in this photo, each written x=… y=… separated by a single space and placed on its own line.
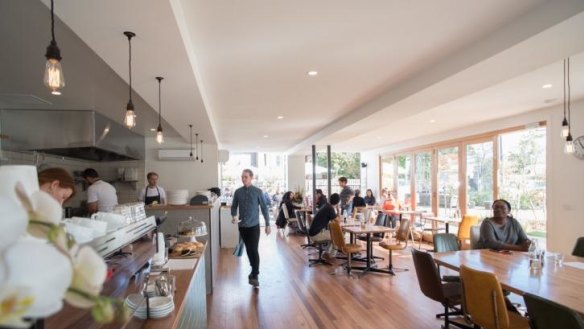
x=175 y=155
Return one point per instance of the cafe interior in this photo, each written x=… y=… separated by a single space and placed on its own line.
x=449 y=104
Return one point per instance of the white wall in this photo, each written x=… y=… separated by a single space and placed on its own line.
x=372 y=181
x=295 y=172
x=191 y=175
x=565 y=173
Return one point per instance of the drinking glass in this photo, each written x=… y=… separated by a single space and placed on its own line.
x=559 y=259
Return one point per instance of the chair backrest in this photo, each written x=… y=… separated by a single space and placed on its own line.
x=464 y=227
x=444 y=242
x=483 y=298
x=285 y=211
x=403 y=230
x=545 y=314
x=579 y=247
x=301 y=222
x=358 y=210
x=381 y=219
x=337 y=235
x=428 y=275
x=475 y=235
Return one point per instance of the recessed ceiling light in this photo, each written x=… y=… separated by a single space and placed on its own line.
x=265 y=136
x=280 y=117
x=152 y=129
x=547 y=85
x=312 y=73
x=432 y=120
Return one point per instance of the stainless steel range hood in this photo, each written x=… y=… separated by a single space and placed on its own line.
x=76 y=134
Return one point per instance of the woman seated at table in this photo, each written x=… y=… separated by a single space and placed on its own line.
x=502 y=231
x=369 y=198
x=282 y=220
x=358 y=201
x=320 y=199
x=391 y=204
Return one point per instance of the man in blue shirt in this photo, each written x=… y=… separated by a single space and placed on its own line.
x=248 y=199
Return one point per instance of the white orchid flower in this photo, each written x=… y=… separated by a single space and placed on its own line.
x=11 y=175
x=44 y=212
x=42 y=270
x=14 y=302
x=14 y=222
x=89 y=274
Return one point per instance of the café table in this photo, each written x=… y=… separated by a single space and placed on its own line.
x=444 y=220
x=368 y=230
x=561 y=284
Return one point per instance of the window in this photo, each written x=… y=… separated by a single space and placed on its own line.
x=479 y=179
x=388 y=174
x=404 y=180
x=423 y=181
x=448 y=182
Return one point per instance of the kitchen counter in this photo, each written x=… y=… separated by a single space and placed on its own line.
x=206 y=214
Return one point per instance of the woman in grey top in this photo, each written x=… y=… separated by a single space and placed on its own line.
x=502 y=232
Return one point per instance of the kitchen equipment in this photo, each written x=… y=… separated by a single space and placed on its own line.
x=114 y=221
x=199 y=200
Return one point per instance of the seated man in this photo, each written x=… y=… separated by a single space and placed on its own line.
x=319 y=228
x=320 y=199
x=502 y=231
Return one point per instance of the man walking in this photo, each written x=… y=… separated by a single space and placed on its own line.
x=248 y=199
x=346 y=196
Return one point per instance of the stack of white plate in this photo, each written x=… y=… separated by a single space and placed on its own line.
x=159 y=306
x=178 y=197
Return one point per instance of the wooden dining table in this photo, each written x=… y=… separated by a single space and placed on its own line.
x=443 y=220
x=561 y=284
x=368 y=230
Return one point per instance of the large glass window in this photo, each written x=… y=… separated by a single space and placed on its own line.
x=448 y=182
x=522 y=177
x=404 y=179
x=423 y=181
x=479 y=179
x=387 y=174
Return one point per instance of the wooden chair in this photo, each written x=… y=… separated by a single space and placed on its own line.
x=545 y=314
x=475 y=235
x=339 y=242
x=401 y=238
x=357 y=210
x=579 y=247
x=484 y=301
x=447 y=294
x=464 y=229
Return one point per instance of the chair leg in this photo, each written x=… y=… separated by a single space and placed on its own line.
x=349 y=256
x=394 y=269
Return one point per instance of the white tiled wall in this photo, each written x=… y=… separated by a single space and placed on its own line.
x=108 y=171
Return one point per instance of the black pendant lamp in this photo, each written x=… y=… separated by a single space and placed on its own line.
x=565 y=128
x=569 y=146
x=53 y=77
x=201 y=151
x=191 y=130
x=130 y=117
x=159 y=135
x=196 y=148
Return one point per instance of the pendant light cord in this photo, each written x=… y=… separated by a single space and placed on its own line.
x=52 y=20
x=191 y=128
x=159 y=101
x=130 y=64
x=569 y=96
x=564 y=89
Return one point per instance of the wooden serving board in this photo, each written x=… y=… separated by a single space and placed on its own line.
x=179 y=256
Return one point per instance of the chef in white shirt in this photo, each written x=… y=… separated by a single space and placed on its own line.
x=101 y=196
x=152 y=194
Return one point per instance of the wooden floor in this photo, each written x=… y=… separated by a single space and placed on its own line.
x=293 y=295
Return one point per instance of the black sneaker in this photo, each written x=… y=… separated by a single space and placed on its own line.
x=253 y=280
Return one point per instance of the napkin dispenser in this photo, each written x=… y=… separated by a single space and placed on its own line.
x=199 y=200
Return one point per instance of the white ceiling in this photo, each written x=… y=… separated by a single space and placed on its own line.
x=385 y=67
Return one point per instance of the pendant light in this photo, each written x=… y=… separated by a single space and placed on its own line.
x=565 y=129
x=191 y=129
x=130 y=117
x=569 y=146
x=53 y=78
x=196 y=148
x=201 y=151
x=159 y=136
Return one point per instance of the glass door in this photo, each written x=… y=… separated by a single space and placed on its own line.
x=404 y=180
x=423 y=181
x=479 y=179
x=448 y=182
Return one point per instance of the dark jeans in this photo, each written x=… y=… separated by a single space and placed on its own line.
x=393 y=219
x=251 y=239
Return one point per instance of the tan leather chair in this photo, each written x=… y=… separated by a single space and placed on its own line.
x=401 y=238
x=339 y=242
x=464 y=229
x=484 y=301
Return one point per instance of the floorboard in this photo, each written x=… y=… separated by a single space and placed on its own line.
x=293 y=295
